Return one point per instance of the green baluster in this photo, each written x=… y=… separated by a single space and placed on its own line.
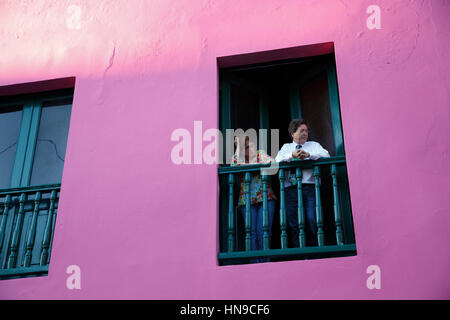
x=48 y=230
x=282 y=210
x=52 y=234
x=4 y=219
x=266 y=240
x=337 y=212
x=248 y=222
x=231 y=213
x=319 y=218
x=16 y=234
x=32 y=232
x=300 y=210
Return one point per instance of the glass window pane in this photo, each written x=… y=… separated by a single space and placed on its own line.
x=10 y=118
x=51 y=143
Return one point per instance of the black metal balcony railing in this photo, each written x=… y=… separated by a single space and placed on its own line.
x=27 y=221
x=335 y=237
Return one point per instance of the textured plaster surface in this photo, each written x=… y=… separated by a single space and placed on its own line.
x=141 y=227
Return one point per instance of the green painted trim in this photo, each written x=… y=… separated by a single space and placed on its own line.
x=283 y=219
x=335 y=110
x=29 y=127
x=231 y=225
x=225 y=115
x=305 y=164
x=224 y=123
x=45 y=252
x=265 y=216
x=23 y=271
x=44 y=187
x=22 y=142
x=336 y=208
x=31 y=146
x=248 y=227
x=325 y=65
x=32 y=231
x=13 y=248
x=300 y=210
x=319 y=211
x=346 y=248
x=20 y=178
x=346 y=206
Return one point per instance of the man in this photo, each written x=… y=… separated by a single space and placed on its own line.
x=300 y=149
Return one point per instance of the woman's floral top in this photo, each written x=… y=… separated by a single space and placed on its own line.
x=256 y=184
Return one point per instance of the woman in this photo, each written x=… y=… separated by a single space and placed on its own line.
x=246 y=156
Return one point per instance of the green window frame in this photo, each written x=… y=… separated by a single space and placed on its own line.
x=230 y=250
x=28 y=212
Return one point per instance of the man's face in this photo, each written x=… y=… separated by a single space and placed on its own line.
x=301 y=135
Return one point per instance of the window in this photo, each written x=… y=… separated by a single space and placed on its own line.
x=265 y=91
x=33 y=137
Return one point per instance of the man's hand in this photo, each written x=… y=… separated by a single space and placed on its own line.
x=300 y=154
x=304 y=155
x=296 y=154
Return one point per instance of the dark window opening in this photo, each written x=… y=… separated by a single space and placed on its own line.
x=269 y=95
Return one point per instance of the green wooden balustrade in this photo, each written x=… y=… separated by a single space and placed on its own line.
x=319 y=217
x=335 y=168
x=48 y=230
x=248 y=221
x=282 y=211
x=337 y=213
x=17 y=232
x=265 y=216
x=26 y=229
x=32 y=234
x=335 y=234
x=300 y=210
x=230 y=215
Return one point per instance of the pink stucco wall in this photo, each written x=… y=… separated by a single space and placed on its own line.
x=141 y=227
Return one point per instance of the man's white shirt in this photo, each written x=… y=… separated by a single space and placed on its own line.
x=315 y=150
